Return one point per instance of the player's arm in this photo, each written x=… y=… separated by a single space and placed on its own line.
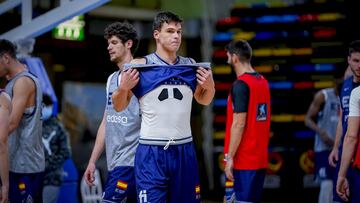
x=314 y=109
x=5 y=109
x=23 y=91
x=351 y=136
x=334 y=154
x=237 y=129
x=240 y=97
x=97 y=150
x=349 y=146
x=122 y=96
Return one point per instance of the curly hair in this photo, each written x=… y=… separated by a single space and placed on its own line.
x=124 y=31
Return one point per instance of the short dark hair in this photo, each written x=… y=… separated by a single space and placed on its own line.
x=354 y=47
x=124 y=31
x=241 y=48
x=7 y=47
x=165 y=17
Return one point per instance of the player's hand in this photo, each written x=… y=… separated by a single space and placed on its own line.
x=205 y=78
x=342 y=188
x=4 y=194
x=89 y=174
x=333 y=157
x=229 y=169
x=326 y=138
x=129 y=79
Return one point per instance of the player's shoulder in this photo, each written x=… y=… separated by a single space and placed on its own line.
x=110 y=77
x=239 y=86
x=185 y=60
x=355 y=95
x=25 y=82
x=5 y=95
x=5 y=100
x=320 y=96
x=239 y=83
x=141 y=60
x=192 y=60
x=356 y=91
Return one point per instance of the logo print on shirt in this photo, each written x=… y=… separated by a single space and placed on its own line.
x=29 y=199
x=197 y=191
x=345 y=102
x=334 y=106
x=117 y=119
x=164 y=94
x=22 y=186
x=121 y=184
x=143 y=196
x=109 y=100
x=261 y=112
x=46 y=142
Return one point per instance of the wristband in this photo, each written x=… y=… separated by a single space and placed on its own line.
x=227 y=158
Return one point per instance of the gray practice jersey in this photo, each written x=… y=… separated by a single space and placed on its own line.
x=155 y=59
x=327 y=118
x=25 y=144
x=121 y=129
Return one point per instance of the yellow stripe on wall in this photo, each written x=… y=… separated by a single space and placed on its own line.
x=222 y=70
x=324 y=84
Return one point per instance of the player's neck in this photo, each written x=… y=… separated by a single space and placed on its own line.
x=356 y=79
x=168 y=57
x=242 y=68
x=16 y=68
x=126 y=59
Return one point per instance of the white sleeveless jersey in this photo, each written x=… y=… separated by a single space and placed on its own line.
x=166 y=110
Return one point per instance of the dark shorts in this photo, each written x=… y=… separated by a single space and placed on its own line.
x=248 y=185
x=229 y=191
x=355 y=186
x=169 y=175
x=25 y=187
x=120 y=185
x=323 y=170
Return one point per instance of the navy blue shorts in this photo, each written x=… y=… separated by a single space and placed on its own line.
x=229 y=191
x=169 y=175
x=353 y=177
x=248 y=185
x=355 y=186
x=322 y=168
x=24 y=187
x=120 y=185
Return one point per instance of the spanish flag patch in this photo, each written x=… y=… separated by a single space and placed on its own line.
x=197 y=189
x=122 y=185
x=22 y=186
x=229 y=183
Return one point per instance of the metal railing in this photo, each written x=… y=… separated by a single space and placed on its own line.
x=32 y=27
